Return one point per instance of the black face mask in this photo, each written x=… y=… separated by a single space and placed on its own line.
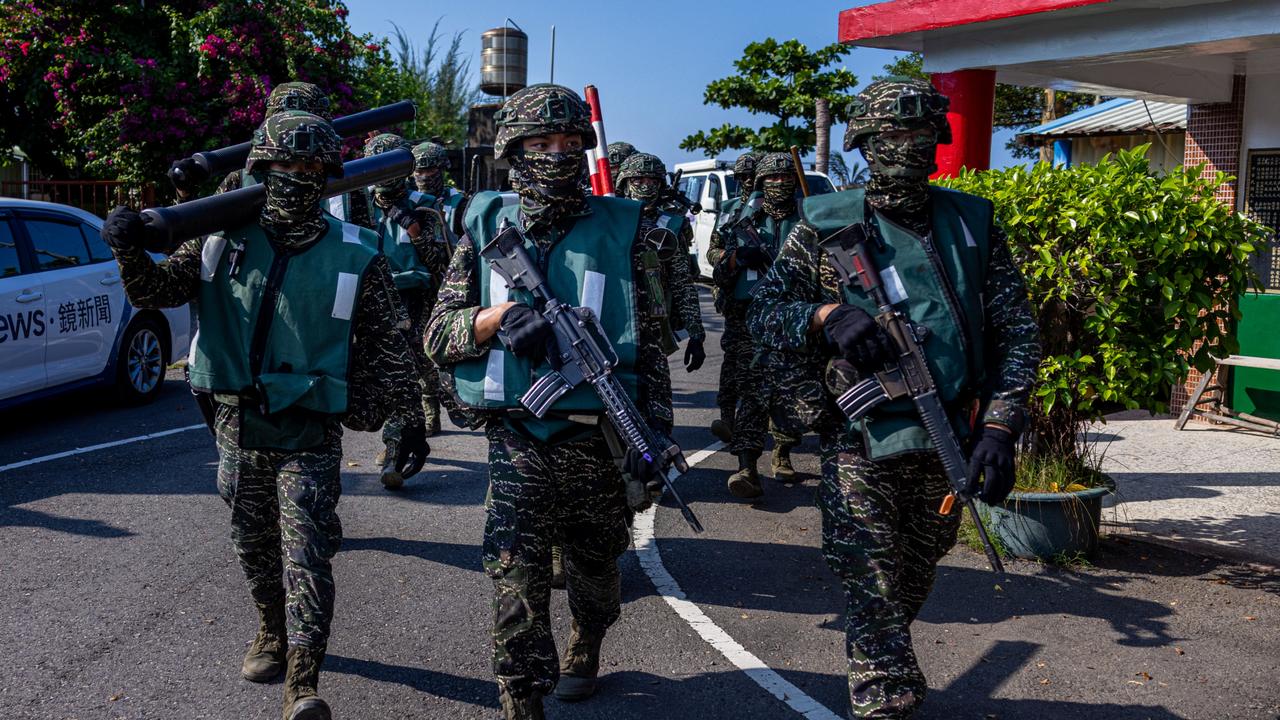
x=292 y=212
x=388 y=194
x=433 y=185
x=779 y=196
x=549 y=183
x=644 y=193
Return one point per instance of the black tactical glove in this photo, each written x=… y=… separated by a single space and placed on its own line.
x=124 y=229
x=694 y=355
x=525 y=332
x=186 y=176
x=752 y=257
x=993 y=460
x=858 y=338
x=413 y=451
x=408 y=218
x=644 y=481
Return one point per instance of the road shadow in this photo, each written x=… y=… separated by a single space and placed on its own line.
x=472 y=691
x=463 y=557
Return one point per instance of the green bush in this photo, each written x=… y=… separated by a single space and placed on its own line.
x=1134 y=280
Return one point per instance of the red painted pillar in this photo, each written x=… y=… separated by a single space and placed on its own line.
x=973 y=97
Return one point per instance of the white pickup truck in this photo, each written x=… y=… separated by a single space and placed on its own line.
x=709 y=183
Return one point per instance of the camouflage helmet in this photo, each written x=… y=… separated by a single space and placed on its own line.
x=776 y=163
x=897 y=103
x=619 y=152
x=384 y=142
x=641 y=165
x=298 y=96
x=745 y=165
x=294 y=135
x=541 y=109
x=429 y=155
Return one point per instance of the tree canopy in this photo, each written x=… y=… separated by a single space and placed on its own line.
x=782 y=80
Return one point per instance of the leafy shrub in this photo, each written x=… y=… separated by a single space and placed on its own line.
x=1134 y=279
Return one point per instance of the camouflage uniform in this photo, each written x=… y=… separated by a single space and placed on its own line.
x=618 y=153
x=675 y=282
x=433 y=255
x=882 y=532
x=749 y=367
x=529 y=479
x=283 y=501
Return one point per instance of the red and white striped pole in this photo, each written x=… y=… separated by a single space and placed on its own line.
x=598 y=156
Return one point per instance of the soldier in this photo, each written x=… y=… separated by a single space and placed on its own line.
x=747 y=252
x=298 y=336
x=731 y=364
x=407 y=235
x=618 y=153
x=950 y=270
x=554 y=478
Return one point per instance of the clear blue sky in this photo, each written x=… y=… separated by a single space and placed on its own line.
x=650 y=60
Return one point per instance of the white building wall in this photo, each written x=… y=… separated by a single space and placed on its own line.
x=1261 y=128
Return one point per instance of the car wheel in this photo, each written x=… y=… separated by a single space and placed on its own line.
x=140 y=363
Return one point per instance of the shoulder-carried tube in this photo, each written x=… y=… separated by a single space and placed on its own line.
x=219 y=212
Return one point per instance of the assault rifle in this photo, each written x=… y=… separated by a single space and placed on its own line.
x=583 y=354
x=909 y=377
x=743 y=227
x=176 y=223
x=211 y=163
x=670 y=196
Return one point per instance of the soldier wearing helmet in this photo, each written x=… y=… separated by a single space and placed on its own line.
x=490 y=345
x=618 y=153
x=299 y=335
x=742 y=248
x=945 y=263
x=407 y=234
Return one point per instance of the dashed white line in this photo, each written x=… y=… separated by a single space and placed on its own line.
x=732 y=650
x=101 y=446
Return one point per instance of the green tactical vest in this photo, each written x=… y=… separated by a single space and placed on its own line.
x=589 y=267
x=407 y=269
x=918 y=276
x=304 y=347
x=340 y=206
x=772 y=233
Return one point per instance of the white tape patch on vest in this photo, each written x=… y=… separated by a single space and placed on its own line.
x=402 y=237
x=495 y=366
x=335 y=207
x=210 y=254
x=968 y=236
x=752 y=276
x=344 y=299
x=593 y=291
x=893 y=285
x=350 y=233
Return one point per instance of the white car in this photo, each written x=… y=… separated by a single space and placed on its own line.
x=709 y=183
x=64 y=321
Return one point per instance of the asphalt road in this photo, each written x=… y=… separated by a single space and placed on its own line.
x=120 y=597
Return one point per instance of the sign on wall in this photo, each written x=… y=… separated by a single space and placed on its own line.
x=1262 y=203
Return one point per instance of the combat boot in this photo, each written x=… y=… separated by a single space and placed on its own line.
x=580 y=666
x=783 y=472
x=266 y=656
x=301 y=699
x=557 y=567
x=722 y=428
x=746 y=482
x=525 y=708
x=391 y=478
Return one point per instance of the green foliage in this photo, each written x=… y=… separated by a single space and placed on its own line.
x=779 y=79
x=1128 y=274
x=439 y=80
x=1016 y=107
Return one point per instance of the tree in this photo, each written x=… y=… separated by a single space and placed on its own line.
x=779 y=79
x=118 y=90
x=1016 y=107
x=440 y=83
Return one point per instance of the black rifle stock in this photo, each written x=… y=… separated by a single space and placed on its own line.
x=212 y=163
x=910 y=377
x=584 y=355
x=218 y=212
x=673 y=198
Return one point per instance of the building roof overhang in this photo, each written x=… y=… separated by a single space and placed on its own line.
x=1166 y=50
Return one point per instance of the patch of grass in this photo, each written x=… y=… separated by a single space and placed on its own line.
x=969 y=536
x=1055 y=474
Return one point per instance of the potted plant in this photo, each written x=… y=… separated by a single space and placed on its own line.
x=1134 y=279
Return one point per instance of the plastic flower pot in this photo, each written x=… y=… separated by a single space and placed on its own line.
x=1049 y=526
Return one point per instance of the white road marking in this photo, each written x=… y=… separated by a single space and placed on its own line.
x=732 y=650
x=102 y=446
